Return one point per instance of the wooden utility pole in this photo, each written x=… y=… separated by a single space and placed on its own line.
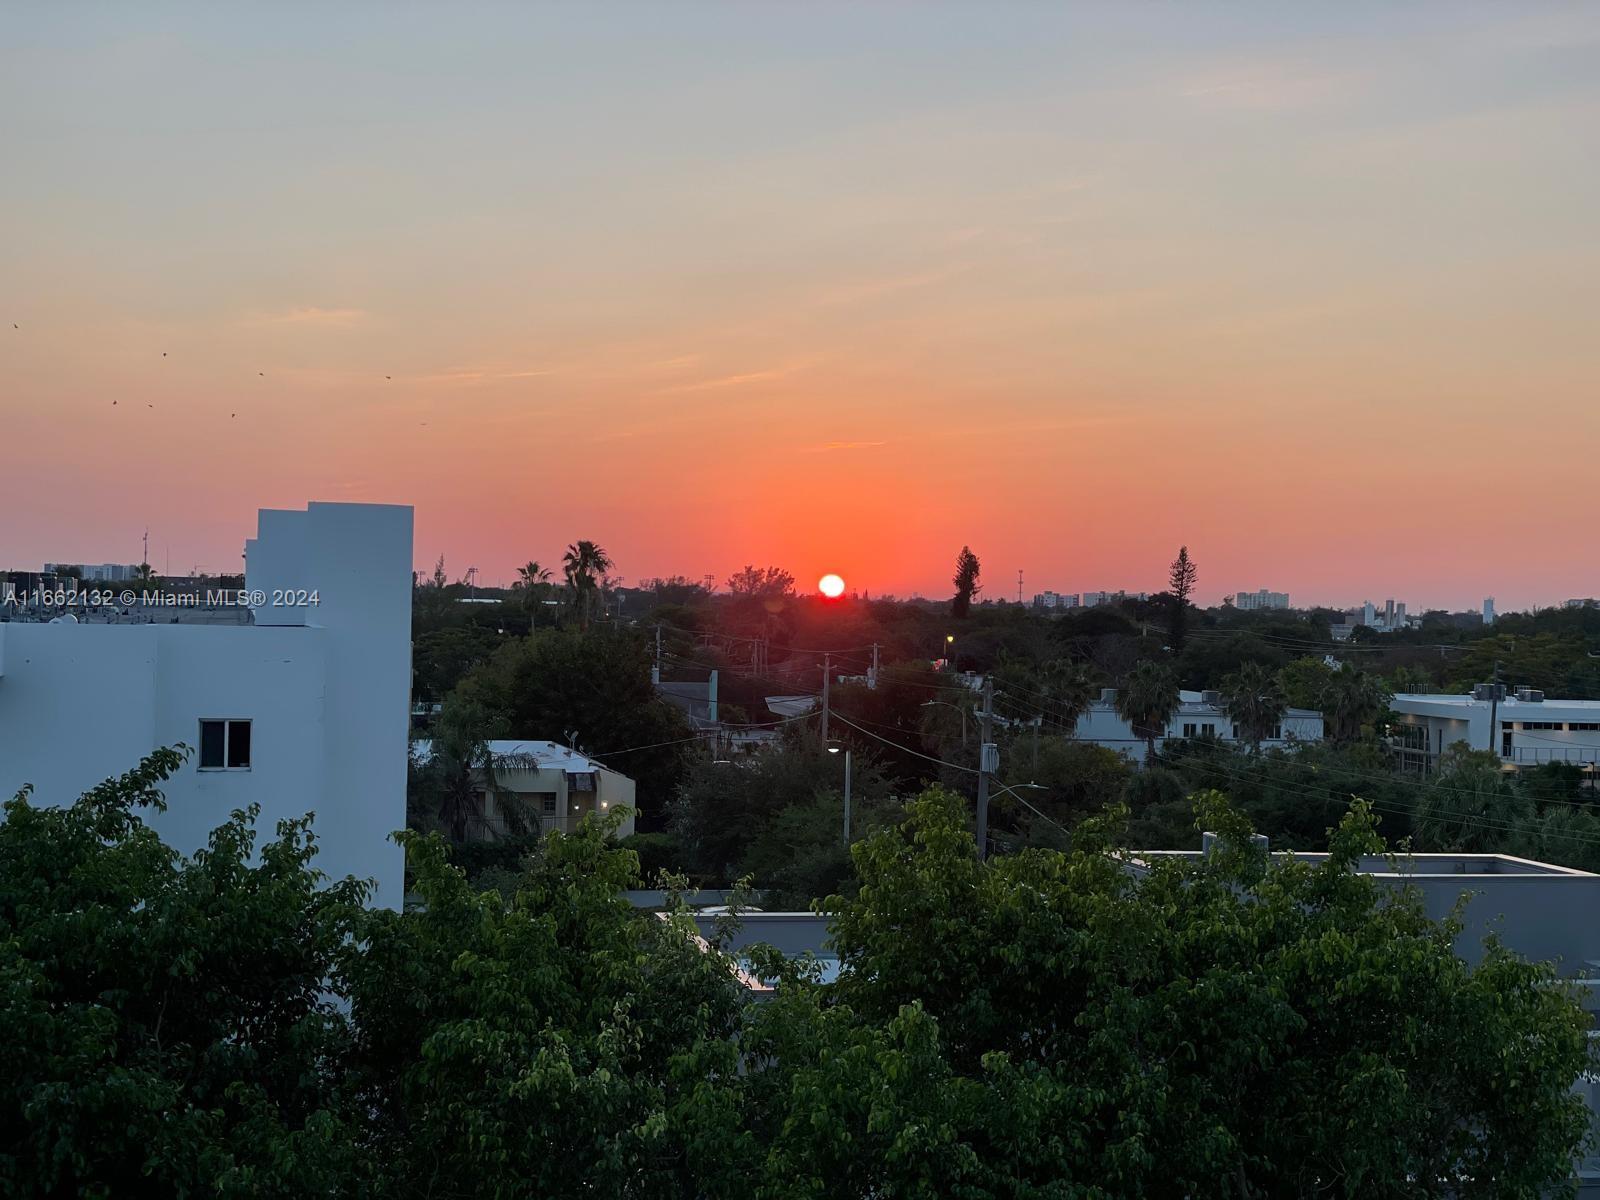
x=987 y=756
x=827 y=678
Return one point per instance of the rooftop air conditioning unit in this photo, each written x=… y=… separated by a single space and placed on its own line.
x=1530 y=695
x=1489 y=691
x=1210 y=697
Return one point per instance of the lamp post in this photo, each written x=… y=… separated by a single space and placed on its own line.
x=957 y=707
x=834 y=748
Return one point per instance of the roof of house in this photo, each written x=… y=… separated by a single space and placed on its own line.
x=1526 y=708
x=550 y=756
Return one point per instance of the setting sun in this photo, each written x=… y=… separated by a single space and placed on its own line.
x=831 y=586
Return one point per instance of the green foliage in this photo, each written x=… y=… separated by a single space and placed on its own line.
x=561 y=1044
x=1254 y=699
x=594 y=684
x=725 y=811
x=172 y=1026
x=1044 y=1024
x=1147 y=699
x=1203 y=1032
x=656 y=852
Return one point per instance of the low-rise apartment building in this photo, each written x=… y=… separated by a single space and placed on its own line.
x=1522 y=729
x=1198 y=715
x=556 y=787
x=300 y=707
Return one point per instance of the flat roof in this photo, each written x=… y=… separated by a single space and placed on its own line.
x=1463 y=700
x=1412 y=866
x=550 y=756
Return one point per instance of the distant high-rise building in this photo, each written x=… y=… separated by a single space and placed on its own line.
x=1251 y=601
x=1056 y=600
x=1488 y=610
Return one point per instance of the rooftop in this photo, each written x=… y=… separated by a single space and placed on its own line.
x=548 y=756
x=1465 y=700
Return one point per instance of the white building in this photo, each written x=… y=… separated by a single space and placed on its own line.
x=1252 y=601
x=95 y=572
x=305 y=710
x=1488 y=610
x=1095 y=599
x=1056 y=600
x=1522 y=730
x=1199 y=714
x=558 y=786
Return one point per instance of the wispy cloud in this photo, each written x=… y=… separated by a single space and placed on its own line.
x=477 y=376
x=311 y=316
x=731 y=381
x=827 y=446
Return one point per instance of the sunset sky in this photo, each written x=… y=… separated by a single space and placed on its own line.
x=1313 y=288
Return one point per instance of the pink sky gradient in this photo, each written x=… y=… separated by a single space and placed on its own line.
x=1314 y=294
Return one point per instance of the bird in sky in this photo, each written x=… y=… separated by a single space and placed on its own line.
x=263 y=374
x=388 y=376
x=163 y=354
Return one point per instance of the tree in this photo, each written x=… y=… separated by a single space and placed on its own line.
x=554 y=1043
x=440 y=580
x=175 y=1025
x=1147 y=699
x=585 y=564
x=533 y=585
x=1351 y=700
x=1069 y=689
x=1254 y=699
x=1180 y=584
x=755 y=582
x=1190 y=1038
x=1305 y=682
x=594 y=686
x=1469 y=806
x=452 y=787
x=966 y=581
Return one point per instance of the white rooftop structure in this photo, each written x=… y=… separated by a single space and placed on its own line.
x=1523 y=729
x=303 y=709
x=561 y=786
x=1198 y=715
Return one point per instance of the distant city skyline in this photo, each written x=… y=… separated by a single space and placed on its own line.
x=841 y=288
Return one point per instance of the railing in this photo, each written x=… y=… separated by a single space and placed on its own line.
x=1543 y=754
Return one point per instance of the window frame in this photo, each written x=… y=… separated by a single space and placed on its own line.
x=227 y=724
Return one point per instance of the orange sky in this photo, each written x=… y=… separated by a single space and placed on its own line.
x=1313 y=292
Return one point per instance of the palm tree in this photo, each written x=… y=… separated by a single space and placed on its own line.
x=1254 y=699
x=1147 y=700
x=584 y=564
x=533 y=581
x=452 y=786
x=1350 y=699
x=1069 y=689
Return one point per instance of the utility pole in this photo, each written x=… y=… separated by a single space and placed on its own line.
x=872 y=679
x=1019 y=585
x=988 y=760
x=655 y=671
x=847 y=799
x=1494 y=703
x=827 y=674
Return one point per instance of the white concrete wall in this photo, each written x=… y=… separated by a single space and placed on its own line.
x=1102 y=725
x=326 y=690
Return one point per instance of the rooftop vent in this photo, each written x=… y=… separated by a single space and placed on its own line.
x=1530 y=695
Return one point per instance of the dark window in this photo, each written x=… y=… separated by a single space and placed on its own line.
x=1275 y=734
x=224 y=745
x=213 y=735
x=1188 y=730
x=549 y=802
x=238 y=743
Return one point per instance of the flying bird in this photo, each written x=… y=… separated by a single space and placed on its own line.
x=263 y=374
x=388 y=376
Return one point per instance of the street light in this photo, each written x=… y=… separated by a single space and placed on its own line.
x=959 y=708
x=834 y=748
x=1036 y=787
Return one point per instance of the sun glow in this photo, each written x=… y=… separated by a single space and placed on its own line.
x=831 y=586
